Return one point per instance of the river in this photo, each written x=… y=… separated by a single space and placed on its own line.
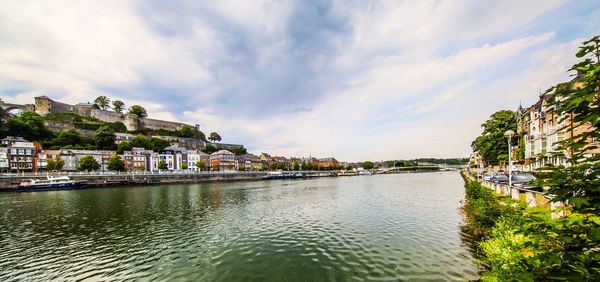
x=383 y=227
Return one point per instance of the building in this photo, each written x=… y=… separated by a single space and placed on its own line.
x=8 y=140
x=328 y=162
x=44 y=156
x=123 y=137
x=222 y=160
x=174 y=157
x=72 y=158
x=193 y=156
x=21 y=156
x=248 y=162
x=541 y=129
x=4 y=159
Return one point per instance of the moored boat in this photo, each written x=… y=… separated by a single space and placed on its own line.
x=51 y=183
x=280 y=175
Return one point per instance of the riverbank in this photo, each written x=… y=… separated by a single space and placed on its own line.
x=517 y=242
x=8 y=184
x=107 y=179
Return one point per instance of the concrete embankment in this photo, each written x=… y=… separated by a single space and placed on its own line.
x=8 y=183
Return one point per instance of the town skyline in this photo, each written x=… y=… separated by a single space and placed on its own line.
x=369 y=81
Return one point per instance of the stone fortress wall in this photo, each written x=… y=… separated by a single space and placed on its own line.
x=45 y=105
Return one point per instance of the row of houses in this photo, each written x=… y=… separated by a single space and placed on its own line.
x=541 y=128
x=18 y=155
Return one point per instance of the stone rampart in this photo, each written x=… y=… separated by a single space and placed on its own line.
x=161 y=124
x=45 y=105
x=107 y=116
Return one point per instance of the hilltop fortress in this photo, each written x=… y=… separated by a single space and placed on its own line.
x=44 y=105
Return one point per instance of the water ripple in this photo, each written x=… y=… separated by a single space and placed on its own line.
x=380 y=228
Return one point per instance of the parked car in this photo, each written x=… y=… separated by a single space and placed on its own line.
x=499 y=178
x=523 y=180
x=488 y=176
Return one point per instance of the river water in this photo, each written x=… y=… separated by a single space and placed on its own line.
x=384 y=227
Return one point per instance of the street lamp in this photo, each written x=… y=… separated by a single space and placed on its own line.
x=509 y=134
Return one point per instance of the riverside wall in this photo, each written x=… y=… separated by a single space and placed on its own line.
x=8 y=183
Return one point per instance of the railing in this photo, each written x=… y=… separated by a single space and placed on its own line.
x=531 y=197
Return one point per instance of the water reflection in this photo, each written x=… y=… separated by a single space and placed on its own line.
x=397 y=227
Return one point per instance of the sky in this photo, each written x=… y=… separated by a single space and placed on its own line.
x=355 y=80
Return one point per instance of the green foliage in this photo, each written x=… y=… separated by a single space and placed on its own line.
x=214 y=137
x=57 y=163
x=162 y=165
x=368 y=165
x=158 y=144
x=66 y=138
x=450 y=161
x=104 y=138
x=115 y=163
x=186 y=131
x=140 y=141
x=524 y=244
x=102 y=102
x=118 y=106
x=209 y=149
x=184 y=166
x=30 y=126
x=200 y=164
x=138 y=111
x=278 y=166
x=239 y=151
x=295 y=166
x=492 y=145
x=124 y=146
x=63 y=117
x=88 y=163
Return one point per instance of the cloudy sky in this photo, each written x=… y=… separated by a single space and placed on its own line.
x=357 y=80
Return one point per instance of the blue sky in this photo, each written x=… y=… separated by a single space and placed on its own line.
x=357 y=80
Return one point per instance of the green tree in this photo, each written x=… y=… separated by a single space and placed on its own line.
x=492 y=144
x=141 y=141
x=185 y=131
x=3 y=128
x=214 y=137
x=104 y=137
x=30 y=126
x=200 y=164
x=210 y=149
x=88 y=163
x=102 y=102
x=158 y=144
x=124 y=146
x=295 y=166
x=50 y=165
x=118 y=106
x=138 y=111
x=115 y=163
x=162 y=165
x=184 y=166
x=368 y=165
x=578 y=102
x=59 y=163
x=239 y=151
x=67 y=137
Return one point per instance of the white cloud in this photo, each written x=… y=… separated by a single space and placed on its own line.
x=369 y=80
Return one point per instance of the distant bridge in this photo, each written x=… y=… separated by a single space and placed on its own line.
x=7 y=107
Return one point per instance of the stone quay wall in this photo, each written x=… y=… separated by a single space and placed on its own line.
x=139 y=179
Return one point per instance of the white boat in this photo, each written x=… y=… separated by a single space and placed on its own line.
x=51 y=183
